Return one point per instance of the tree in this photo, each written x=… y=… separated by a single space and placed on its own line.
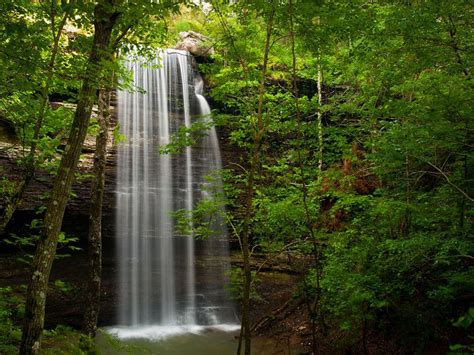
x=137 y=24
x=57 y=16
x=95 y=216
x=400 y=116
x=391 y=199
x=257 y=131
x=254 y=164
x=105 y=16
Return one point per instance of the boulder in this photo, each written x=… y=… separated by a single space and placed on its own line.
x=195 y=43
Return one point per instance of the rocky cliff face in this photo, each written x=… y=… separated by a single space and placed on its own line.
x=76 y=215
x=75 y=221
x=62 y=307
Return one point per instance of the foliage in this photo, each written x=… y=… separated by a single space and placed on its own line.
x=391 y=208
x=65 y=340
x=186 y=137
x=236 y=281
x=26 y=40
x=10 y=307
x=465 y=322
x=63 y=286
x=25 y=243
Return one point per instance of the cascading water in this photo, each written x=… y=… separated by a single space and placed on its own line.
x=166 y=279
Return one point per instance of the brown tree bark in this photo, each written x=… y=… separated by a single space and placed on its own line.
x=105 y=16
x=95 y=217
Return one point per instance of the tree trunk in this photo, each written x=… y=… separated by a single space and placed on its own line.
x=254 y=163
x=312 y=301
x=95 y=217
x=320 y=115
x=105 y=18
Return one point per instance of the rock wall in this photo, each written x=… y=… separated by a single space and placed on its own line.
x=76 y=216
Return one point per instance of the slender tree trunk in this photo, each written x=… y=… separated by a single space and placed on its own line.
x=320 y=114
x=455 y=45
x=95 y=216
x=364 y=337
x=105 y=18
x=312 y=301
x=15 y=199
x=406 y=220
x=462 y=204
x=254 y=164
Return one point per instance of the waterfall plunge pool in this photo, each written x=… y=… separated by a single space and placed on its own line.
x=179 y=340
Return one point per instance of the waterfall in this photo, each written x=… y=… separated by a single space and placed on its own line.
x=166 y=279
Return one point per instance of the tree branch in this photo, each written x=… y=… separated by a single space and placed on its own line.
x=448 y=180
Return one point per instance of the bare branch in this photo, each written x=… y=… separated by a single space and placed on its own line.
x=448 y=180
